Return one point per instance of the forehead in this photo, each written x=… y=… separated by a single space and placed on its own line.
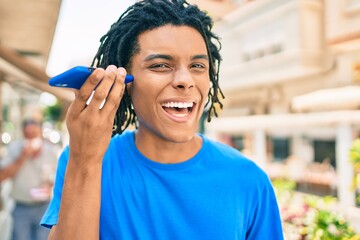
x=179 y=39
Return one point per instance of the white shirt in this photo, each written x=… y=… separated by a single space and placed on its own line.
x=34 y=173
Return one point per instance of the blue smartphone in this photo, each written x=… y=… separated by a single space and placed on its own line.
x=76 y=76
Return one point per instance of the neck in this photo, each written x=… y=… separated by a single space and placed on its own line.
x=162 y=150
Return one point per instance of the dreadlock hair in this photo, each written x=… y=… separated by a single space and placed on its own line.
x=120 y=44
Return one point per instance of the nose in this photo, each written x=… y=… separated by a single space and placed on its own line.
x=183 y=80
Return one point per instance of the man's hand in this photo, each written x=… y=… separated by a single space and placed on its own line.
x=31 y=148
x=90 y=124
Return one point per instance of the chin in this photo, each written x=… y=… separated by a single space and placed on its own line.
x=180 y=136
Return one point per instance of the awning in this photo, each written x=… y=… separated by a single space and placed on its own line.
x=240 y=124
x=27 y=72
x=26 y=33
x=343 y=98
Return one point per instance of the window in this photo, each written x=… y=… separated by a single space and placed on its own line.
x=324 y=150
x=238 y=142
x=281 y=148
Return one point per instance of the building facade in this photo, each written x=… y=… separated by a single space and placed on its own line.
x=291 y=77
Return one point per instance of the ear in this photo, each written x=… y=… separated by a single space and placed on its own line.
x=129 y=88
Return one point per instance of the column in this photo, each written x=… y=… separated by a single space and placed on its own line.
x=259 y=146
x=344 y=168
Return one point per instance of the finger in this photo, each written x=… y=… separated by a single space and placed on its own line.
x=103 y=88
x=82 y=96
x=116 y=93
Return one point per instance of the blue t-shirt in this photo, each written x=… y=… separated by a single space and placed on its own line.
x=217 y=194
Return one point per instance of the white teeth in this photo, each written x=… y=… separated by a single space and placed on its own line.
x=180 y=115
x=178 y=104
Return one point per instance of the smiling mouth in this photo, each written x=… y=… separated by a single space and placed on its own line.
x=178 y=109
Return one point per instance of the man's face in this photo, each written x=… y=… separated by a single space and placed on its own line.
x=172 y=82
x=32 y=131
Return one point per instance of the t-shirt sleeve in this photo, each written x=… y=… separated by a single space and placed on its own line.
x=266 y=223
x=50 y=217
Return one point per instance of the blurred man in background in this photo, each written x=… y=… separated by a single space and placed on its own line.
x=30 y=163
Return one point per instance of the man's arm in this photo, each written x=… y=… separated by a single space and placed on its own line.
x=90 y=131
x=52 y=232
x=80 y=203
x=10 y=170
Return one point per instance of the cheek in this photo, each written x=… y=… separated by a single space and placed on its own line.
x=205 y=93
x=141 y=97
x=205 y=89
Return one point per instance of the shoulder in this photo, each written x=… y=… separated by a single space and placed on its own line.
x=15 y=145
x=225 y=152
x=234 y=161
x=12 y=151
x=221 y=148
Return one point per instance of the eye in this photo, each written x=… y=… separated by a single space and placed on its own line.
x=159 y=65
x=198 y=67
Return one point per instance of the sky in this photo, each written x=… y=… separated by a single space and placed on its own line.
x=80 y=26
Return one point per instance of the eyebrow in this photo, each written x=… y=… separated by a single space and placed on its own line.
x=169 y=57
x=200 y=56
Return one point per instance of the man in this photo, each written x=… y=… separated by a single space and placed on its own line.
x=163 y=180
x=30 y=163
